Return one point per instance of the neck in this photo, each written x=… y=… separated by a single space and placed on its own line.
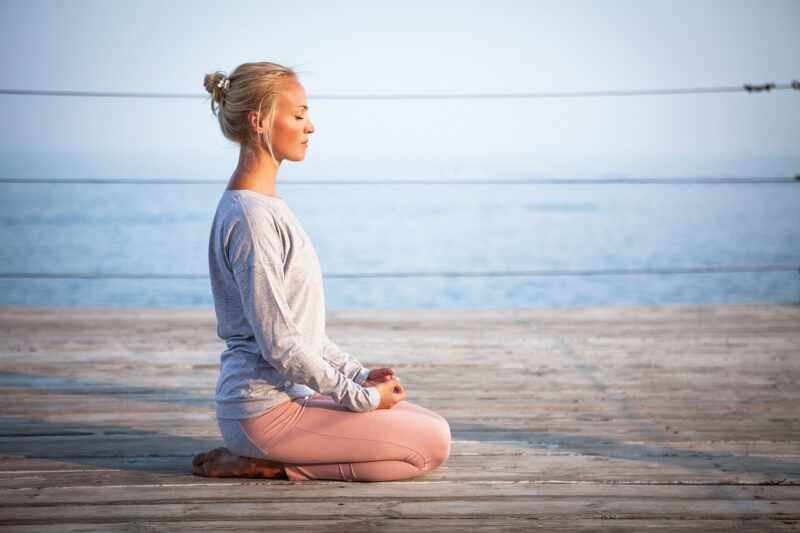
x=256 y=171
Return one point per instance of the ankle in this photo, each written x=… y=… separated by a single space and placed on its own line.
x=278 y=469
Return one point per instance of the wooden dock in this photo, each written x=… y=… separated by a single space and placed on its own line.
x=591 y=419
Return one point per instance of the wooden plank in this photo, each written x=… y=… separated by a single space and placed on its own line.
x=244 y=490
x=345 y=523
x=408 y=507
x=166 y=471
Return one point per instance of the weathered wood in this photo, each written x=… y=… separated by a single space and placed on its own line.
x=409 y=506
x=684 y=417
x=228 y=490
x=345 y=523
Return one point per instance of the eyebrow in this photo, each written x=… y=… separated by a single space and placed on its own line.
x=304 y=107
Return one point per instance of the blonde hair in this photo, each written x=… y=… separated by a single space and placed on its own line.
x=251 y=87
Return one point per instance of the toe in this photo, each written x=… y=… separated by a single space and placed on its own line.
x=198 y=459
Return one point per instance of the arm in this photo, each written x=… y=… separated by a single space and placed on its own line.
x=344 y=362
x=258 y=269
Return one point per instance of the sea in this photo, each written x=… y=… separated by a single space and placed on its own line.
x=417 y=245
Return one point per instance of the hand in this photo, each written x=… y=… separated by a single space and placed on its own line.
x=391 y=393
x=379 y=375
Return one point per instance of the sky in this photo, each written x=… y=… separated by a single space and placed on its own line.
x=409 y=47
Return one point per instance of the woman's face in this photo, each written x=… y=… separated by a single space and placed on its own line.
x=291 y=127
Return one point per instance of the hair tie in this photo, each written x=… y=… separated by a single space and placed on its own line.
x=224 y=83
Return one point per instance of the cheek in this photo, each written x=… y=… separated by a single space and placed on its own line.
x=287 y=131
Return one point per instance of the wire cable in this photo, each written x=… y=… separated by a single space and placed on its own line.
x=747 y=87
x=502 y=274
x=532 y=181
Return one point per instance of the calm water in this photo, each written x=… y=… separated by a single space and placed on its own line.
x=361 y=229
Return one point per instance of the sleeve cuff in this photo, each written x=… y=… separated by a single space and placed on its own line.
x=375 y=397
x=362 y=376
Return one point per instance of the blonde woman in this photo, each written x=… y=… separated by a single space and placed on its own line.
x=289 y=403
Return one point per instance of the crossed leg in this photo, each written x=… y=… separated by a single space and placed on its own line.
x=331 y=442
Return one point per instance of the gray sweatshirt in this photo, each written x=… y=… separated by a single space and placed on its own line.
x=270 y=307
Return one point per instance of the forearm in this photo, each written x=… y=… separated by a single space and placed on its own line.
x=343 y=361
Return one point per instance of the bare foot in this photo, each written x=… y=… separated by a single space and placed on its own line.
x=221 y=462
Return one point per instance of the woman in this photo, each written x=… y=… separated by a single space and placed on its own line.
x=290 y=403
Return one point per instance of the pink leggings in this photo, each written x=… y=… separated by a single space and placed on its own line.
x=317 y=438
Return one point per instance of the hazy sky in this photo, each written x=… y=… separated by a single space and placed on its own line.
x=372 y=47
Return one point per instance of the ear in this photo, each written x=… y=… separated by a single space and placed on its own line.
x=253 y=122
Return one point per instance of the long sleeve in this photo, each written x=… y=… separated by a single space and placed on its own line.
x=255 y=255
x=344 y=362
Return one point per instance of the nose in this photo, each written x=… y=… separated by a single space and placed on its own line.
x=310 y=127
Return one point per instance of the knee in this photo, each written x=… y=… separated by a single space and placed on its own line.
x=439 y=449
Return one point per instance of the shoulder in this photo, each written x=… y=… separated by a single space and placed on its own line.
x=252 y=228
x=249 y=214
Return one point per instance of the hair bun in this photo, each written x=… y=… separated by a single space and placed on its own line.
x=211 y=82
